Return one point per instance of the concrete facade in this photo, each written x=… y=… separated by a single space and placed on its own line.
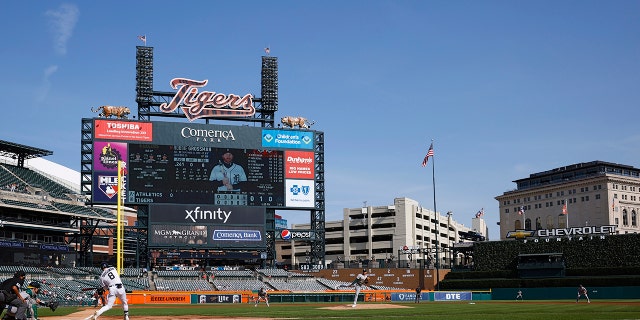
x=401 y=234
x=595 y=193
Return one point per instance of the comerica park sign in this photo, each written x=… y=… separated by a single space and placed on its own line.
x=573 y=233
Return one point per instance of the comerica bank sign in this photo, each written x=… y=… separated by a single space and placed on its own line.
x=574 y=233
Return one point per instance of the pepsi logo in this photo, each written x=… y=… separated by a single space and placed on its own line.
x=285 y=234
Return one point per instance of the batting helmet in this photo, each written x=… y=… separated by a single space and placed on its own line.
x=104 y=265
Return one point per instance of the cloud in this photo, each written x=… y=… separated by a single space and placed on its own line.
x=46 y=83
x=62 y=21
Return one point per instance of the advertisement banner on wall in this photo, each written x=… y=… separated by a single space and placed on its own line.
x=298 y=165
x=300 y=193
x=452 y=296
x=200 y=225
x=219 y=298
x=289 y=139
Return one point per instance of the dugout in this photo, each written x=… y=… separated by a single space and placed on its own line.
x=541 y=265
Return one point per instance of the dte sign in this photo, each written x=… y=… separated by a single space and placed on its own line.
x=452 y=296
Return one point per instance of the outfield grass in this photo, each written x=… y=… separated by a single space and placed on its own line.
x=480 y=310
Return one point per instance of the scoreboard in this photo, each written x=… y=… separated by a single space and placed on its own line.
x=187 y=163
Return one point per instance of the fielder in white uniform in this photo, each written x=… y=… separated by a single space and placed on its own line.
x=110 y=280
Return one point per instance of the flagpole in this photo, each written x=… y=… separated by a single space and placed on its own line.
x=435 y=211
x=566 y=205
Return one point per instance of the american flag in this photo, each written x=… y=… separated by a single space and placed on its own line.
x=521 y=211
x=480 y=213
x=267 y=50
x=564 y=208
x=429 y=154
x=143 y=39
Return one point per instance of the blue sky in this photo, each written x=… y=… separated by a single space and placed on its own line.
x=504 y=88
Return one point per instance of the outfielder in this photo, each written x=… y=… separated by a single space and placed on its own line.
x=582 y=291
x=110 y=280
x=359 y=282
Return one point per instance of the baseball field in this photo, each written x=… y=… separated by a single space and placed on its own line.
x=479 y=310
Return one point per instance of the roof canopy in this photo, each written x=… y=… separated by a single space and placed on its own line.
x=21 y=152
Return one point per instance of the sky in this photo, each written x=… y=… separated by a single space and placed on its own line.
x=502 y=88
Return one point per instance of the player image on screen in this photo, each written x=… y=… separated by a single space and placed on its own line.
x=227 y=175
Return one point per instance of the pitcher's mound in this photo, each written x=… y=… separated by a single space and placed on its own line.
x=367 y=306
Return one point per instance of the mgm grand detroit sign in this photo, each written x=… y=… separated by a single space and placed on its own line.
x=562 y=234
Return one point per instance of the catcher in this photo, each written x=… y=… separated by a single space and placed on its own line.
x=31 y=297
x=98 y=296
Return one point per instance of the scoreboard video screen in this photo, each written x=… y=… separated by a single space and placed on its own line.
x=186 y=163
x=193 y=174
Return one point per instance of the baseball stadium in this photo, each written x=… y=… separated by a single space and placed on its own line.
x=181 y=198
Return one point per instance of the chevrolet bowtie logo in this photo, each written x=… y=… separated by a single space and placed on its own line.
x=520 y=234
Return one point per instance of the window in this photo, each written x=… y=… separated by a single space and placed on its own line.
x=634 y=218
x=562 y=221
x=625 y=218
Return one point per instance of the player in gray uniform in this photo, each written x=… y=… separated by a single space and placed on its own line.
x=262 y=295
x=110 y=280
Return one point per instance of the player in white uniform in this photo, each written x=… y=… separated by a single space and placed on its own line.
x=359 y=282
x=228 y=174
x=110 y=280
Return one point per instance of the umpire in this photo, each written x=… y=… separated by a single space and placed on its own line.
x=10 y=294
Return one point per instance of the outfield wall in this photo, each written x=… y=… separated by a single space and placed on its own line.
x=380 y=296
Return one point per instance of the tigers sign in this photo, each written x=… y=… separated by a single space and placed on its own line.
x=206 y=104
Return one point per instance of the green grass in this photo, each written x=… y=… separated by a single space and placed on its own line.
x=479 y=310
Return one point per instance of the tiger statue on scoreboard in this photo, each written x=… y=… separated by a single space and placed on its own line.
x=108 y=111
x=300 y=122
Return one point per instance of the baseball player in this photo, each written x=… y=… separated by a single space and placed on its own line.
x=519 y=295
x=582 y=291
x=359 y=282
x=262 y=295
x=228 y=176
x=31 y=296
x=10 y=295
x=110 y=280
